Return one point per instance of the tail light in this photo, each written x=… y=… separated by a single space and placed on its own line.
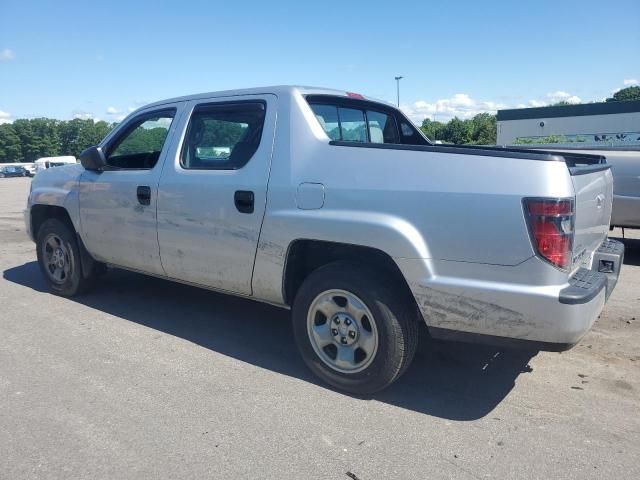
x=551 y=224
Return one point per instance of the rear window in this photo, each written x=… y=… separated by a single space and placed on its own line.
x=349 y=122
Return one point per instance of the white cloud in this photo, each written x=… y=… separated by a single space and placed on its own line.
x=7 y=55
x=5 y=117
x=82 y=115
x=630 y=81
x=461 y=105
x=560 y=96
x=464 y=106
x=117 y=115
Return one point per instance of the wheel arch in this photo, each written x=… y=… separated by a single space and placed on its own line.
x=305 y=256
x=42 y=212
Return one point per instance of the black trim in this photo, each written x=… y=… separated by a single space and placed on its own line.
x=613 y=252
x=585 y=170
x=457 y=149
x=584 y=286
x=87 y=262
x=561 y=147
x=349 y=102
x=496 y=341
x=572 y=159
x=581 y=110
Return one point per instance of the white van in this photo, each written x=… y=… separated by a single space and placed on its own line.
x=48 y=162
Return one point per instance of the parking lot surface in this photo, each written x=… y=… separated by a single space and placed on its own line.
x=143 y=378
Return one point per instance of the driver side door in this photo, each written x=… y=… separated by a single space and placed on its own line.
x=118 y=205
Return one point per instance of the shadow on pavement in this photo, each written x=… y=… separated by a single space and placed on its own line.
x=448 y=380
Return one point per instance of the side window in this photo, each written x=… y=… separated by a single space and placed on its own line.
x=352 y=125
x=410 y=136
x=327 y=115
x=140 y=145
x=222 y=136
x=382 y=128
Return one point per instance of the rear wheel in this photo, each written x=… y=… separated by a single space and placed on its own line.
x=353 y=330
x=59 y=259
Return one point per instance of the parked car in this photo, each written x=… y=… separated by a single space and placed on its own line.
x=12 y=171
x=30 y=169
x=343 y=212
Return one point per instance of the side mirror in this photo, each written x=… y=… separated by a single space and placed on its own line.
x=93 y=159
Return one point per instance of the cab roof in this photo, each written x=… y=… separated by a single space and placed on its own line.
x=278 y=90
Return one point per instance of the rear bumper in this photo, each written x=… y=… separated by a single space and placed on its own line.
x=508 y=313
x=585 y=284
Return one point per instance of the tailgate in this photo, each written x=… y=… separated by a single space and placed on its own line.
x=593 y=187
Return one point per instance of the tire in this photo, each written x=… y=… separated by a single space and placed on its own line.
x=56 y=238
x=394 y=323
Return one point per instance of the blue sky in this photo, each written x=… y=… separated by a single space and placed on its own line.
x=100 y=59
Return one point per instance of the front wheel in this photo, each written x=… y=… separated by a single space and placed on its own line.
x=59 y=259
x=354 y=331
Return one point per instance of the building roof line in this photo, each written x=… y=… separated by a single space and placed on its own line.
x=579 y=110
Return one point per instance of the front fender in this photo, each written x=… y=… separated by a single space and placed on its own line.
x=57 y=187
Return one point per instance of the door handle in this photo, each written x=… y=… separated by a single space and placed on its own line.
x=244 y=201
x=144 y=195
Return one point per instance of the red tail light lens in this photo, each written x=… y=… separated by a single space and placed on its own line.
x=551 y=223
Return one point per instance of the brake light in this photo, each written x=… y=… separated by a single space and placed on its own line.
x=355 y=95
x=551 y=225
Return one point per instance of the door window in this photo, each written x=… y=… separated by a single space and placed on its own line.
x=140 y=145
x=223 y=136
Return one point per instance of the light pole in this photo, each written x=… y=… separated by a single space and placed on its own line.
x=398 y=88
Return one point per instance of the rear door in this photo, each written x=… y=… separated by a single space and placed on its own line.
x=213 y=192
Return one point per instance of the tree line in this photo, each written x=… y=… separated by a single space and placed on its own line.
x=26 y=140
x=479 y=130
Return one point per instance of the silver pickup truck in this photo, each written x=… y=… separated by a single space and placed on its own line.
x=334 y=205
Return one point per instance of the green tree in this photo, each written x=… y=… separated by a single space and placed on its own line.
x=457 y=131
x=432 y=129
x=39 y=137
x=10 y=147
x=27 y=140
x=77 y=134
x=629 y=93
x=484 y=129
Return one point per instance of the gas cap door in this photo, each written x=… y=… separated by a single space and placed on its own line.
x=310 y=196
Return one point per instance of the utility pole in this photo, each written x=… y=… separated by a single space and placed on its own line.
x=398 y=88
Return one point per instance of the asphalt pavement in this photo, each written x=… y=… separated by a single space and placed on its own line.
x=145 y=379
